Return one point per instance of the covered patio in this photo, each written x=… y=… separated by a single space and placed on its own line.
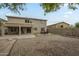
x=15 y=29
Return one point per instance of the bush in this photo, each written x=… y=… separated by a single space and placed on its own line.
x=77 y=24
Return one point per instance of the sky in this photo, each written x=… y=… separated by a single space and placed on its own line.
x=34 y=10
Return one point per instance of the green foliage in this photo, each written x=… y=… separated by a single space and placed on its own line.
x=15 y=7
x=72 y=6
x=52 y=7
x=77 y=24
x=47 y=7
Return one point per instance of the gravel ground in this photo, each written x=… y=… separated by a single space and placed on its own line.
x=46 y=45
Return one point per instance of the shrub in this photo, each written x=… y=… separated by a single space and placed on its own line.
x=77 y=24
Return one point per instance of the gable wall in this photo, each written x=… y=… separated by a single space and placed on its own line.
x=64 y=25
x=15 y=20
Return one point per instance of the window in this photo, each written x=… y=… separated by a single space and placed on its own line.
x=61 y=26
x=12 y=29
x=42 y=29
x=35 y=28
x=26 y=21
x=30 y=21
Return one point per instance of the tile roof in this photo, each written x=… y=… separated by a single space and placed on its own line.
x=58 y=23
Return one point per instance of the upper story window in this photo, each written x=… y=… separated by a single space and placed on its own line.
x=42 y=29
x=35 y=28
x=28 y=21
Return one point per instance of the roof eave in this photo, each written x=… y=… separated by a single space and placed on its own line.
x=26 y=18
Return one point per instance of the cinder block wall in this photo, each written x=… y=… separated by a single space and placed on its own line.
x=65 y=32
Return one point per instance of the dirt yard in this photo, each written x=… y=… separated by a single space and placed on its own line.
x=46 y=45
x=41 y=45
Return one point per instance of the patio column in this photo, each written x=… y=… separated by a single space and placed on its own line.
x=2 y=30
x=19 y=30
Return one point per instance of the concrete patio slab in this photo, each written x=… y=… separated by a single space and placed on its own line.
x=17 y=36
x=5 y=46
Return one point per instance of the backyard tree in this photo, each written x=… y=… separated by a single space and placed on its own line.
x=47 y=7
x=77 y=24
x=14 y=7
x=52 y=7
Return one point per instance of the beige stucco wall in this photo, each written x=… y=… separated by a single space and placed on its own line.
x=38 y=24
x=15 y=20
x=58 y=26
x=64 y=25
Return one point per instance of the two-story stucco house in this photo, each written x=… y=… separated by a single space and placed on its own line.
x=21 y=25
